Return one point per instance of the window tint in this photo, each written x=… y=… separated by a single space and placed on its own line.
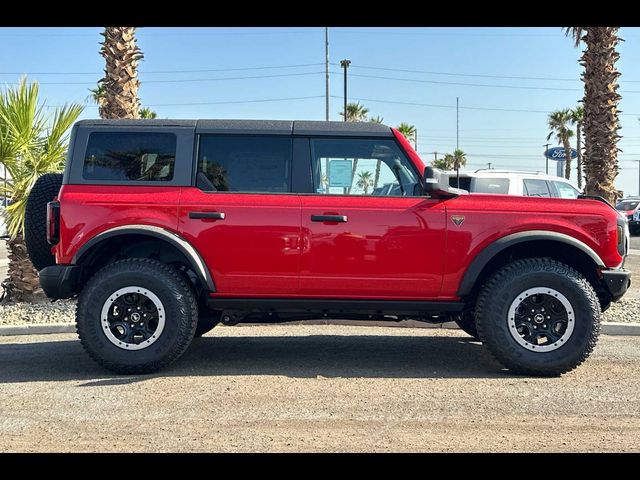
x=130 y=156
x=536 y=188
x=565 y=190
x=490 y=185
x=361 y=167
x=244 y=164
x=627 y=205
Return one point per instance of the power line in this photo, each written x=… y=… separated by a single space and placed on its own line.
x=417 y=104
x=190 y=80
x=146 y=72
x=261 y=100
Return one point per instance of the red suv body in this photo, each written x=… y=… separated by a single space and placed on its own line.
x=274 y=220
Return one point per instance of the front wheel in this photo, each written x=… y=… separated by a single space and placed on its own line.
x=136 y=316
x=538 y=316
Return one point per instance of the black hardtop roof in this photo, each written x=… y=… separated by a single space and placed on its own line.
x=258 y=127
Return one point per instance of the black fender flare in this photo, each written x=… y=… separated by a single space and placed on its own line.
x=484 y=257
x=197 y=262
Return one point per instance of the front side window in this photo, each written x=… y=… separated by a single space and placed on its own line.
x=565 y=190
x=251 y=164
x=130 y=156
x=536 y=188
x=361 y=167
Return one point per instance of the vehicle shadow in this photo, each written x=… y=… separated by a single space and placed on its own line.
x=350 y=356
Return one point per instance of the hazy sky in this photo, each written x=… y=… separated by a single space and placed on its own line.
x=507 y=79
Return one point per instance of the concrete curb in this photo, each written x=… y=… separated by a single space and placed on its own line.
x=608 y=328
x=37 y=329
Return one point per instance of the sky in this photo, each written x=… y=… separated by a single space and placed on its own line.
x=506 y=80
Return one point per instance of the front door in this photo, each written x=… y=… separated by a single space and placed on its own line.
x=241 y=216
x=364 y=232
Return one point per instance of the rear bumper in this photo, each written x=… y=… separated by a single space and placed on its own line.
x=59 y=281
x=617 y=282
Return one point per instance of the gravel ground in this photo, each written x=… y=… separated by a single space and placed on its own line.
x=63 y=311
x=316 y=388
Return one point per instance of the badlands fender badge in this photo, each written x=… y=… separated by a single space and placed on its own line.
x=457 y=219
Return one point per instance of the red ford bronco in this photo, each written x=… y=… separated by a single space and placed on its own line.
x=164 y=228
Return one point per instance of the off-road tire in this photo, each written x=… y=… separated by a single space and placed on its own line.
x=467 y=323
x=167 y=284
x=500 y=291
x=44 y=190
x=208 y=319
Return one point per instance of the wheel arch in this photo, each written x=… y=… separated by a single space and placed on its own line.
x=529 y=244
x=141 y=241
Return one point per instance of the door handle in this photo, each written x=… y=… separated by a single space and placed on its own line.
x=207 y=215
x=329 y=218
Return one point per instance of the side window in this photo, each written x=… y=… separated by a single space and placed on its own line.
x=490 y=185
x=251 y=164
x=565 y=190
x=361 y=167
x=130 y=156
x=536 y=188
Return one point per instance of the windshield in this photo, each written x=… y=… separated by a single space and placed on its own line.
x=627 y=205
x=489 y=185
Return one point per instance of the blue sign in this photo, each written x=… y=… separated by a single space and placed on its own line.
x=558 y=154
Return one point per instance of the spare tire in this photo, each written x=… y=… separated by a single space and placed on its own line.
x=45 y=189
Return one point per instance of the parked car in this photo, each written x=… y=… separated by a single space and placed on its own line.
x=528 y=184
x=630 y=208
x=164 y=228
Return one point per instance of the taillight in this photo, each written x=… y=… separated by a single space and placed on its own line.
x=53 y=222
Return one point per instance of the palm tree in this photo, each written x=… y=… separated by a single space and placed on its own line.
x=409 y=131
x=356 y=112
x=31 y=144
x=458 y=159
x=97 y=94
x=559 y=126
x=577 y=117
x=147 y=113
x=600 y=102
x=120 y=80
x=364 y=181
x=444 y=163
x=376 y=119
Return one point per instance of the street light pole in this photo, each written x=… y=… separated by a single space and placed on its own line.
x=326 y=69
x=345 y=64
x=457 y=126
x=546 y=157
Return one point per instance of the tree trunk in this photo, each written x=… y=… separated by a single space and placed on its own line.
x=120 y=80
x=567 y=158
x=22 y=282
x=376 y=179
x=579 y=159
x=601 y=111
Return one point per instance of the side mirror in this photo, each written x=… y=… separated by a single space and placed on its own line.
x=436 y=184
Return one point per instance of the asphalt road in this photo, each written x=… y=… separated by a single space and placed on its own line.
x=316 y=388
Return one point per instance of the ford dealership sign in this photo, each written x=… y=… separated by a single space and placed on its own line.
x=557 y=153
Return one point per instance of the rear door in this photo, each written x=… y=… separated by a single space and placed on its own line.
x=365 y=234
x=242 y=216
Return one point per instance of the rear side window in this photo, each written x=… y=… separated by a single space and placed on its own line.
x=536 y=188
x=490 y=185
x=130 y=156
x=251 y=164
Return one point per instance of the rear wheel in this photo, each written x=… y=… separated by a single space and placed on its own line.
x=136 y=316
x=538 y=317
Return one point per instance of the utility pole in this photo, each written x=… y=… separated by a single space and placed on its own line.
x=489 y=164
x=326 y=70
x=457 y=126
x=546 y=157
x=345 y=64
x=638 y=176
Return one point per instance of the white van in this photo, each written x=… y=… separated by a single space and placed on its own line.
x=528 y=184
